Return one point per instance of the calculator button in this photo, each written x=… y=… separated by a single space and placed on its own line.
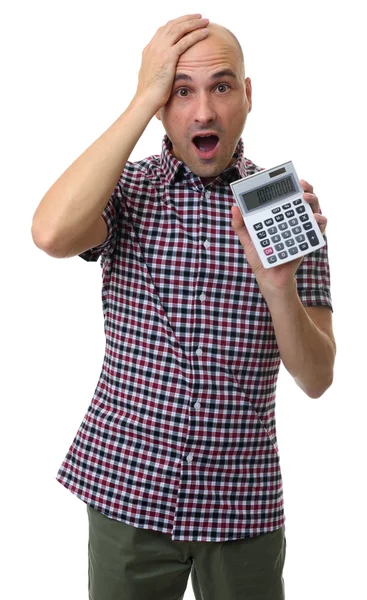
x=300 y=238
x=304 y=218
x=300 y=210
x=269 y=251
x=296 y=230
x=293 y=222
x=265 y=243
x=286 y=234
x=303 y=247
x=283 y=226
x=289 y=214
x=275 y=239
x=307 y=226
x=275 y=210
x=312 y=237
x=283 y=255
x=296 y=202
x=279 y=218
x=272 y=230
x=290 y=243
x=286 y=206
x=261 y=235
x=272 y=259
x=279 y=247
x=293 y=250
x=258 y=226
x=269 y=222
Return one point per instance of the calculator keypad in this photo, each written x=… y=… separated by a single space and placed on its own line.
x=290 y=231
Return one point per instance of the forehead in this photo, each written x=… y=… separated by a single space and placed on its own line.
x=215 y=52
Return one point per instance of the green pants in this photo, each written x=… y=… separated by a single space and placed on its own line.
x=127 y=563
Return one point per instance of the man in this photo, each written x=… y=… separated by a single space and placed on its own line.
x=177 y=456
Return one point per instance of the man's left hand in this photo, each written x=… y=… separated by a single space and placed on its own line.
x=280 y=277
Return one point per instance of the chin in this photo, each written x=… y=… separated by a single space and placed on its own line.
x=210 y=170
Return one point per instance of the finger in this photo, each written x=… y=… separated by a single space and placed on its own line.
x=189 y=40
x=313 y=200
x=240 y=228
x=321 y=221
x=307 y=187
x=179 y=30
x=237 y=219
x=182 y=19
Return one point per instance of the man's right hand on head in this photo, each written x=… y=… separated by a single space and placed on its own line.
x=161 y=55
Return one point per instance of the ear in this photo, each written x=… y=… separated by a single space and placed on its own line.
x=249 y=92
x=158 y=115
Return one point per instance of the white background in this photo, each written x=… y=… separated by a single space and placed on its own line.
x=69 y=69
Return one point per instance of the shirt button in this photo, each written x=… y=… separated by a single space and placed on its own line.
x=197 y=405
x=207 y=194
x=199 y=351
x=189 y=457
x=206 y=244
x=202 y=297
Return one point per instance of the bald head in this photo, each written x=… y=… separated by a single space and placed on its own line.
x=223 y=32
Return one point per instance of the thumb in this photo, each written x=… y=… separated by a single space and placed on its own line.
x=237 y=219
x=239 y=226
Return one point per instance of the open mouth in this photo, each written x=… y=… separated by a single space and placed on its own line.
x=206 y=142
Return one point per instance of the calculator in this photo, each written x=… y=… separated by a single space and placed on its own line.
x=280 y=223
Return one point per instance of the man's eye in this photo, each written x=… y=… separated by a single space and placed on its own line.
x=182 y=92
x=222 y=87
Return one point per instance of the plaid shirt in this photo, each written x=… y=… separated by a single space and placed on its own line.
x=180 y=435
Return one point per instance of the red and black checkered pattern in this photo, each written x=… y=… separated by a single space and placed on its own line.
x=180 y=436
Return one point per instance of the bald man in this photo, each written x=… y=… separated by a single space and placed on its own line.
x=177 y=457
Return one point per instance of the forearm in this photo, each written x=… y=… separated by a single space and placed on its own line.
x=307 y=352
x=77 y=199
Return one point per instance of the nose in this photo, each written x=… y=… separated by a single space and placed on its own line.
x=205 y=112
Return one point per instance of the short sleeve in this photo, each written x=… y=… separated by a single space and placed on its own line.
x=112 y=214
x=313 y=279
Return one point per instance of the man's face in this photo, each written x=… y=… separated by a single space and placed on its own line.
x=208 y=106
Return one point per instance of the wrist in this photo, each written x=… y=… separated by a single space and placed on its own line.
x=147 y=102
x=142 y=107
x=284 y=295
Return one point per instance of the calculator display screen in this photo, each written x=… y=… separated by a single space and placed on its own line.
x=269 y=193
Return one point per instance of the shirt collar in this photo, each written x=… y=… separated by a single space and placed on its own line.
x=174 y=168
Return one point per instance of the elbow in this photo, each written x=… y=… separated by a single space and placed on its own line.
x=45 y=243
x=317 y=389
x=39 y=234
x=322 y=378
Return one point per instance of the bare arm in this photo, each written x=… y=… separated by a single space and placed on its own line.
x=305 y=341
x=304 y=335
x=68 y=217
x=77 y=199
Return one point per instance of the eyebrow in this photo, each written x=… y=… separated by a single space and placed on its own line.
x=218 y=75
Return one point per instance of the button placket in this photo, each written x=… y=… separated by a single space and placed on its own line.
x=202 y=296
